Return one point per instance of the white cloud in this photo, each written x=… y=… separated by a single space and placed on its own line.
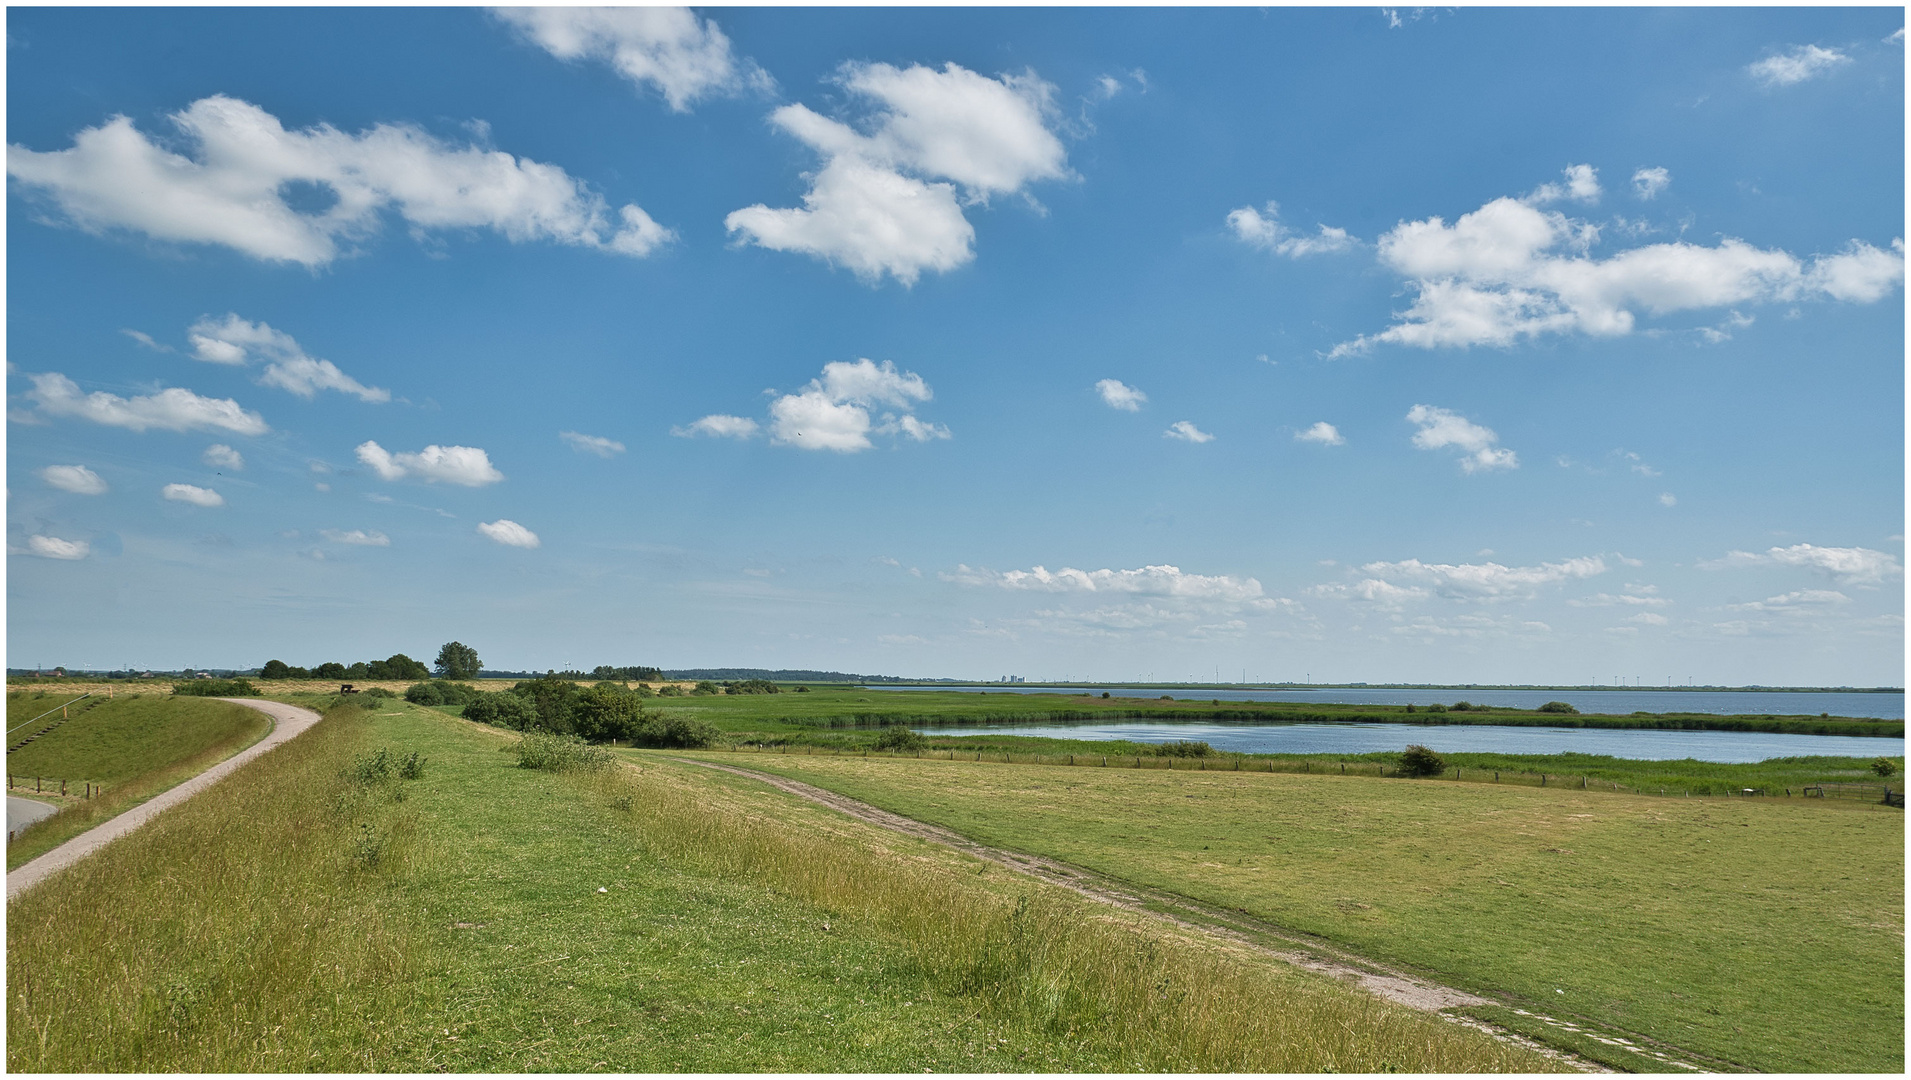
x=1266 y=232
x=1666 y=498
x=52 y=547
x=1851 y=566
x=1802 y=62
x=168 y=410
x=671 y=50
x=1582 y=185
x=356 y=537
x=591 y=444
x=1636 y=596
x=1323 y=433
x=187 y=493
x=719 y=426
x=1441 y=428
x=234 y=341
x=1510 y=271
x=146 y=339
x=1187 y=432
x=233 y=191
x=467 y=466
x=1802 y=602
x=1648 y=618
x=1162 y=580
x=1484 y=581
x=509 y=533
x=77 y=479
x=1119 y=395
x=1372 y=591
x=1648 y=183
x=833 y=411
x=885 y=199
x=221 y=456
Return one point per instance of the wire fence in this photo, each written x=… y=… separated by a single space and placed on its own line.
x=1882 y=794
x=49 y=785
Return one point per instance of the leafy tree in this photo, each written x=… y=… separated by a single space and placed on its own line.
x=606 y=712
x=329 y=670
x=550 y=698
x=360 y=670
x=215 y=688
x=705 y=686
x=505 y=710
x=399 y=666
x=275 y=669
x=1417 y=760
x=1884 y=766
x=898 y=737
x=297 y=673
x=457 y=661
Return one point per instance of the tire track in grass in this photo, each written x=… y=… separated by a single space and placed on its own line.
x=1301 y=950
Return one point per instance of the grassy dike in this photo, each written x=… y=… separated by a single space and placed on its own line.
x=490 y=918
x=136 y=747
x=1761 y=934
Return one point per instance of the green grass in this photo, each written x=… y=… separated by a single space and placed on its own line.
x=667 y=919
x=771 y=715
x=1765 y=934
x=136 y=747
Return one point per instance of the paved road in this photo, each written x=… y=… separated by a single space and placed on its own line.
x=24 y=812
x=289 y=722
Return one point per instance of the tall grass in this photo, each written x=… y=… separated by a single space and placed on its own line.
x=246 y=930
x=1085 y=973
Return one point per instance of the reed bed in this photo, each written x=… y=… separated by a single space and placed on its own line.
x=247 y=930
x=1149 y=998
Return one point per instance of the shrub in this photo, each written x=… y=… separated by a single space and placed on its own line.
x=1104 y=693
x=215 y=688
x=505 y=710
x=425 y=693
x=412 y=768
x=802 y=689
x=748 y=686
x=372 y=768
x=607 y=711
x=1884 y=766
x=378 y=692
x=1417 y=760
x=1184 y=748
x=1436 y=708
x=1557 y=707
x=1464 y=706
x=900 y=738
x=552 y=699
x=660 y=732
x=705 y=686
x=561 y=753
x=670 y=690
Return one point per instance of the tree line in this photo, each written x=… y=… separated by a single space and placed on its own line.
x=605 y=712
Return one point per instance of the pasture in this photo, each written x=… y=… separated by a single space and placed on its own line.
x=1760 y=934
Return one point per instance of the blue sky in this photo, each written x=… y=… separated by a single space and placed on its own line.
x=1352 y=344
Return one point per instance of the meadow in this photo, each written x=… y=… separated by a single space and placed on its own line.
x=131 y=747
x=315 y=913
x=1754 y=934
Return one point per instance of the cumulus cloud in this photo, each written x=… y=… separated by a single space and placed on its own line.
x=719 y=426
x=1119 y=395
x=1162 y=580
x=1648 y=183
x=1582 y=186
x=1511 y=271
x=888 y=198
x=466 y=466
x=356 y=537
x=1323 y=433
x=1481 y=581
x=1796 y=65
x=242 y=171
x=1648 y=618
x=1850 y=565
x=591 y=444
x=1801 y=602
x=838 y=410
x=1186 y=432
x=1265 y=231
x=77 y=479
x=1371 y=591
x=236 y=342
x=173 y=409
x=1666 y=498
x=52 y=547
x=1441 y=428
x=509 y=533
x=221 y=456
x=187 y=493
x=1636 y=596
x=670 y=50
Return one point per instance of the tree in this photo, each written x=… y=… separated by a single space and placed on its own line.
x=275 y=669
x=331 y=669
x=457 y=661
x=1884 y=766
x=1417 y=760
x=400 y=666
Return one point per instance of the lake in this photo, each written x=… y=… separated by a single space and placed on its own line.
x=1719 y=746
x=1875 y=706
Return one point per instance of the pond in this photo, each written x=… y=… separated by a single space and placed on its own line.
x=1719 y=746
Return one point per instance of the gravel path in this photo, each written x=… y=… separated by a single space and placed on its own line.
x=289 y=722
x=1298 y=949
x=24 y=812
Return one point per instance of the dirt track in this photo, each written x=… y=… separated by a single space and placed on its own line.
x=289 y=721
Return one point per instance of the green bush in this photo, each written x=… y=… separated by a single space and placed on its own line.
x=412 y=768
x=705 y=686
x=425 y=693
x=378 y=692
x=900 y=738
x=215 y=688
x=660 y=732
x=749 y=686
x=1465 y=706
x=1436 y=708
x=506 y=710
x=670 y=690
x=372 y=768
x=561 y=753
x=1884 y=766
x=1417 y=760
x=1557 y=707
x=1184 y=748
